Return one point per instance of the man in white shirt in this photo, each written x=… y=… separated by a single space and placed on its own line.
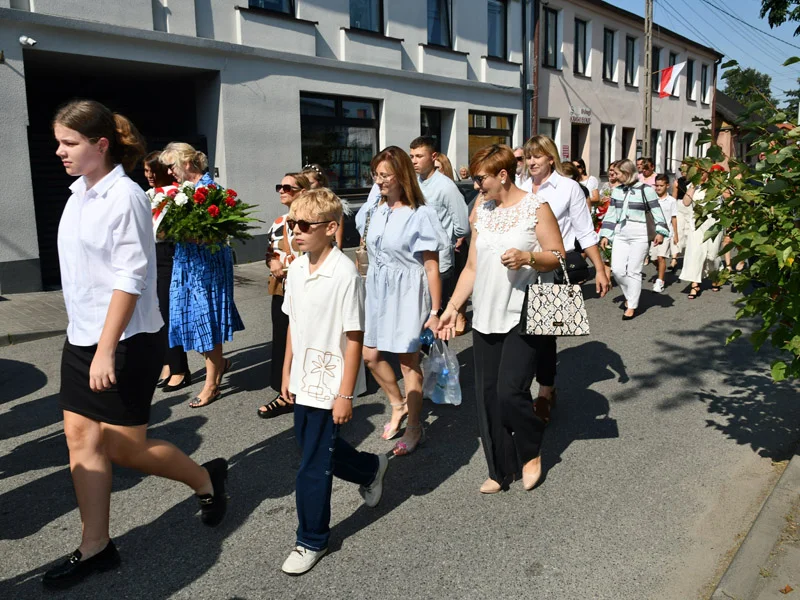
x=444 y=196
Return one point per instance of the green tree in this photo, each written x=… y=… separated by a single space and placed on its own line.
x=762 y=217
x=748 y=85
x=793 y=101
x=780 y=11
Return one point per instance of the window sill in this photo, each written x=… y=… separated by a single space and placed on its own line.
x=559 y=69
x=610 y=81
x=274 y=13
x=581 y=75
x=446 y=49
x=370 y=33
x=497 y=59
x=629 y=86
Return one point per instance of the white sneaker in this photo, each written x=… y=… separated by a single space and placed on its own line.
x=301 y=560
x=658 y=286
x=372 y=493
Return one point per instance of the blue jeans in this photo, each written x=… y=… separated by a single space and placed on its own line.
x=325 y=454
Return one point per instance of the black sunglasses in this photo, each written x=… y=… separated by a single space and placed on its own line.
x=520 y=158
x=304 y=226
x=286 y=188
x=479 y=178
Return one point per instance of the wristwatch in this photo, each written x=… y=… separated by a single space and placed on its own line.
x=532 y=261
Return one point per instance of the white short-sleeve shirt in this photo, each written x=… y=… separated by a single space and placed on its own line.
x=322 y=307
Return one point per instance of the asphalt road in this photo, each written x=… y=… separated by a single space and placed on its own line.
x=658 y=457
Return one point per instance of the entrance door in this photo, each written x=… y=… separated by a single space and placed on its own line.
x=578 y=141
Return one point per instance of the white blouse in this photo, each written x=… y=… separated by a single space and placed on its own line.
x=499 y=292
x=105 y=243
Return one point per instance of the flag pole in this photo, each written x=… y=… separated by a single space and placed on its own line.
x=648 y=79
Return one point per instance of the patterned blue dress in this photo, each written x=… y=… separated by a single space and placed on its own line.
x=202 y=313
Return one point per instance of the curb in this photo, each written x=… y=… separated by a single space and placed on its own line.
x=742 y=579
x=11 y=339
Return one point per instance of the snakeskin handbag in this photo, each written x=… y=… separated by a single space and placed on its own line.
x=556 y=309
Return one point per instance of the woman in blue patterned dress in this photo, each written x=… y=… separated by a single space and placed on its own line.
x=202 y=312
x=403 y=240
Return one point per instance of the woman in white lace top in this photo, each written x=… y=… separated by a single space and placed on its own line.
x=514 y=238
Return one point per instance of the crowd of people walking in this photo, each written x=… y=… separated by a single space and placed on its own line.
x=138 y=302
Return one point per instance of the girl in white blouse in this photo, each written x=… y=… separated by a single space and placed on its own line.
x=514 y=238
x=113 y=353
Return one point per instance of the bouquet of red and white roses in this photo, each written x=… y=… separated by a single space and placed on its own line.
x=203 y=215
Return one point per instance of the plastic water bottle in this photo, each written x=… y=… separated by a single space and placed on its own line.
x=427 y=338
x=438 y=396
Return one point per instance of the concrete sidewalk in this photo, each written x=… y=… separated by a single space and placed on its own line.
x=26 y=317
x=767 y=565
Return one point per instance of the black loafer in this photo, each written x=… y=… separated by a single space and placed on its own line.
x=73 y=570
x=213 y=507
x=185 y=382
x=162 y=382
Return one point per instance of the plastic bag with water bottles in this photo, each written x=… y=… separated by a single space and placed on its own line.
x=441 y=371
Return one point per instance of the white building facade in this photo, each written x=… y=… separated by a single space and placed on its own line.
x=591 y=86
x=266 y=86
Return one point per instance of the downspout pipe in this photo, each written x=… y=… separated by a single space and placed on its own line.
x=526 y=122
x=714 y=104
x=534 y=102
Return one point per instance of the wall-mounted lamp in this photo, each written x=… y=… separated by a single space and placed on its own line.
x=24 y=40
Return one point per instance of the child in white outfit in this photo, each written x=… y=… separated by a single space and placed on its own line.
x=660 y=252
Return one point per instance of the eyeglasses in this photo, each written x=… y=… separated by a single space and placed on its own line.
x=382 y=178
x=286 y=188
x=520 y=158
x=303 y=226
x=479 y=178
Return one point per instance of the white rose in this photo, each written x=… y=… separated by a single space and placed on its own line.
x=188 y=184
x=181 y=199
x=150 y=193
x=157 y=199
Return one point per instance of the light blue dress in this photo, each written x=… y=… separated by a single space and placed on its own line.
x=398 y=299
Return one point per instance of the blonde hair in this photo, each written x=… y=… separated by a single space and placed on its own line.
x=94 y=121
x=300 y=179
x=177 y=154
x=541 y=145
x=447 y=168
x=627 y=173
x=320 y=204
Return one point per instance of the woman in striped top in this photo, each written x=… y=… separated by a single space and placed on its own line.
x=625 y=224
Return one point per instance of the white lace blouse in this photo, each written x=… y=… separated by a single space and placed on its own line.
x=499 y=292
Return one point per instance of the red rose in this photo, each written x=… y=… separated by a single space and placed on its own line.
x=199 y=198
x=230 y=201
x=213 y=210
x=212 y=186
x=173 y=192
x=232 y=193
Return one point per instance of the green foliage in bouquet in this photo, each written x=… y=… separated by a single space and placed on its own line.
x=761 y=213
x=204 y=215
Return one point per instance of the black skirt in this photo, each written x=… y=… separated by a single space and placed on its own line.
x=138 y=362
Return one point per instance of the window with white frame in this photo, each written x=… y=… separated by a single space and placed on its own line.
x=631 y=60
x=669 y=151
x=497 y=21
x=687 y=144
x=704 y=87
x=281 y=6
x=673 y=60
x=367 y=15
x=551 y=53
x=606 y=147
x=609 y=54
x=439 y=29
x=690 y=93
x=655 y=67
x=549 y=127
x=580 y=62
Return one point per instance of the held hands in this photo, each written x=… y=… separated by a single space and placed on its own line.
x=515 y=259
x=342 y=410
x=101 y=372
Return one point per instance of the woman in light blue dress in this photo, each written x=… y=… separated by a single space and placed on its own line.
x=403 y=238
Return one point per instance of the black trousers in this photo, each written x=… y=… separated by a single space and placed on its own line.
x=280 y=327
x=174 y=357
x=546 y=359
x=510 y=431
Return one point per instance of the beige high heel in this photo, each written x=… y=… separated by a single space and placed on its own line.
x=529 y=480
x=490 y=486
x=388 y=432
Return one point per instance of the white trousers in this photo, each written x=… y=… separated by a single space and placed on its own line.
x=701 y=257
x=627 y=258
x=685 y=226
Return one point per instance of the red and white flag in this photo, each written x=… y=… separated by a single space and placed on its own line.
x=669 y=77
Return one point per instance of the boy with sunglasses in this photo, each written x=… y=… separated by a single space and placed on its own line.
x=323 y=371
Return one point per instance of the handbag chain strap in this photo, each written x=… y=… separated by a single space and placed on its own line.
x=366 y=230
x=563 y=264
